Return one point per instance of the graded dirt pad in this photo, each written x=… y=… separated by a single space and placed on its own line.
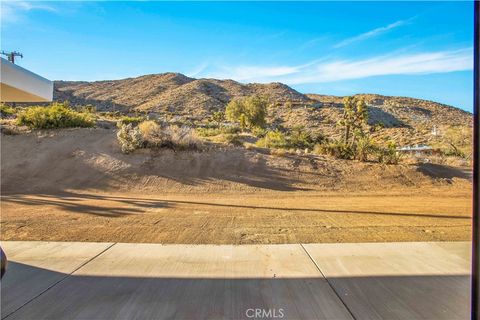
x=76 y=185
x=275 y=217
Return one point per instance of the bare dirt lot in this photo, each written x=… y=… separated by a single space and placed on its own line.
x=238 y=219
x=75 y=185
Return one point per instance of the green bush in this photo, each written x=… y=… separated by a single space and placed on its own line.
x=273 y=139
x=130 y=120
x=389 y=155
x=300 y=138
x=215 y=131
x=259 y=132
x=6 y=111
x=55 y=116
x=335 y=148
x=248 y=112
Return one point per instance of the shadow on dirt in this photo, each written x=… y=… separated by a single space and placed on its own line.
x=77 y=159
x=438 y=171
x=117 y=206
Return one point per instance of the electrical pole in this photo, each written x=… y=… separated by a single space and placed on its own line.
x=11 y=55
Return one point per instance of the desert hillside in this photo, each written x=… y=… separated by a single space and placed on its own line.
x=175 y=96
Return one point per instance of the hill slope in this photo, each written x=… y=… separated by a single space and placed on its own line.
x=168 y=95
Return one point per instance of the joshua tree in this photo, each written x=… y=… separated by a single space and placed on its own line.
x=355 y=116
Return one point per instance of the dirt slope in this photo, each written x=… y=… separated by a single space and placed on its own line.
x=90 y=159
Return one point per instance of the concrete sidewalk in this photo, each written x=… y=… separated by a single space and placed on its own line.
x=72 y=280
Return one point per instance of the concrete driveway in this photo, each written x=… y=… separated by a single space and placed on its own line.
x=75 y=280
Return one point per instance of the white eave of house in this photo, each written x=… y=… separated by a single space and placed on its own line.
x=20 y=85
x=421 y=147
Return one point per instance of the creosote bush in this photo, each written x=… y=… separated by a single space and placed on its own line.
x=6 y=111
x=57 y=115
x=273 y=139
x=249 y=112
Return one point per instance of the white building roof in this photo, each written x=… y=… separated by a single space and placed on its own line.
x=20 y=85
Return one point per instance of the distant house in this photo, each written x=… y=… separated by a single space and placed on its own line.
x=418 y=150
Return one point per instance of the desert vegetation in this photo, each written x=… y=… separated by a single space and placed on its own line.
x=57 y=115
x=6 y=111
x=150 y=134
x=365 y=128
x=249 y=112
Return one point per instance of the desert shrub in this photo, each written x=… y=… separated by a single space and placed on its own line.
x=55 y=116
x=364 y=147
x=259 y=132
x=6 y=111
x=218 y=117
x=452 y=152
x=170 y=136
x=248 y=112
x=300 y=138
x=152 y=133
x=389 y=154
x=458 y=142
x=273 y=139
x=129 y=138
x=182 y=137
x=335 y=148
x=215 y=131
x=88 y=108
x=209 y=132
x=231 y=138
x=129 y=120
x=230 y=129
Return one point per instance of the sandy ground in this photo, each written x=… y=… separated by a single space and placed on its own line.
x=237 y=219
x=75 y=185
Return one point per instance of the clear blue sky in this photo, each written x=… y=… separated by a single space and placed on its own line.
x=417 y=49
